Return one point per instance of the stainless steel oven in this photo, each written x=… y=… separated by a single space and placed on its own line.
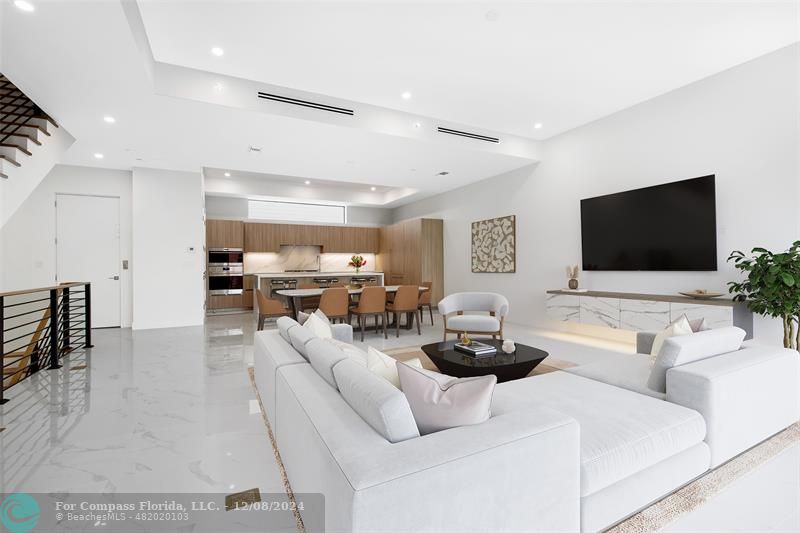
x=225 y=271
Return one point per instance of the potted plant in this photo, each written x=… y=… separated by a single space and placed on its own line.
x=358 y=262
x=772 y=287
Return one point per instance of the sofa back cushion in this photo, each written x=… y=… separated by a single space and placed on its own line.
x=284 y=324
x=678 y=351
x=299 y=336
x=377 y=401
x=323 y=356
x=441 y=402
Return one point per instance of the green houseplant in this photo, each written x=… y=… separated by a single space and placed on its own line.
x=772 y=287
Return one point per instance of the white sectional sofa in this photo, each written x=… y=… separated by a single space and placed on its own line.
x=565 y=451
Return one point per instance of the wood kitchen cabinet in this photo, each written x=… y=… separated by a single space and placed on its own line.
x=411 y=252
x=224 y=234
x=261 y=237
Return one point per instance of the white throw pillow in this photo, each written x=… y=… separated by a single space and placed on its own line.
x=441 y=402
x=699 y=324
x=386 y=366
x=319 y=325
x=352 y=352
x=678 y=328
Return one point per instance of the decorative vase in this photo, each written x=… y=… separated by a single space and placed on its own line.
x=465 y=340
x=509 y=346
x=573 y=284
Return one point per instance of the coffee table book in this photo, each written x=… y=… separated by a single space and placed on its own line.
x=476 y=349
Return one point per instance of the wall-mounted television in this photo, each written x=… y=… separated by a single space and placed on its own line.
x=668 y=227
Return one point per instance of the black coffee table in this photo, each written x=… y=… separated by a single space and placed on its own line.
x=505 y=366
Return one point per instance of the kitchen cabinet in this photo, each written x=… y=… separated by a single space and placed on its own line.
x=261 y=237
x=224 y=234
x=411 y=252
x=224 y=301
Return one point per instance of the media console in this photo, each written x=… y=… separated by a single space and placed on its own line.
x=643 y=312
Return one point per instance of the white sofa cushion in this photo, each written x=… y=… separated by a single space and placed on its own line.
x=271 y=352
x=353 y=352
x=318 y=324
x=386 y=367
x=629 y=371
x=473 y=323
x=443 y=402
x=377 y=401
x=678 y=328
x=622 y=432
x=323 y=356
x=299 y=336
x=284 y=324
x=679 y=351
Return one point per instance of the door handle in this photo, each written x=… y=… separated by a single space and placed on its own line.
x=115 y=278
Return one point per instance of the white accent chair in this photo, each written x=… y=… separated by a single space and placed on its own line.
x=488 y=302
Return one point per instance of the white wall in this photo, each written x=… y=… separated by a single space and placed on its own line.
x=168 y=240
x=27 y=240
x=226 y=207
x=741 y=125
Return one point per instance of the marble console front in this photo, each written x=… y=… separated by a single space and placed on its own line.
x=643 y=312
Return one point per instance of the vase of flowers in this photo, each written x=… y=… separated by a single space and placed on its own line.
x=358 y=262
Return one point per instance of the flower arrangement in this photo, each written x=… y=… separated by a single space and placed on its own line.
x=358 y=262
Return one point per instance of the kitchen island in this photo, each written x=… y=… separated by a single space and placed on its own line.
x=308 y=280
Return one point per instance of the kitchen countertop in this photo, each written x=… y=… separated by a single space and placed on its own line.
x=312 y=274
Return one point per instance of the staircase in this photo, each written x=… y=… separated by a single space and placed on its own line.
x=23 y=127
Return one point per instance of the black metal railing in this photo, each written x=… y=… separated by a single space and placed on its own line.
x=40 y=326
x=16 y=110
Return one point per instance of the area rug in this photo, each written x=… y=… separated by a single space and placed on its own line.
x=404 y=354
x=652 y=518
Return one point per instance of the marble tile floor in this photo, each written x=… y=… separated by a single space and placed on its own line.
x=172 y=410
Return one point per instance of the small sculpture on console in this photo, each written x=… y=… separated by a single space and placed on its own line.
x=572 y=274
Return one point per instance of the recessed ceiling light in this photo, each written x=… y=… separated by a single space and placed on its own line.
x=373 y=188
x=307 y=182
x=406 y=96
x=24 y=6
x=538 y=125
x=217 y=51
x=227 y=174
x=417 y=125
x=98 y=156
x=109 y=120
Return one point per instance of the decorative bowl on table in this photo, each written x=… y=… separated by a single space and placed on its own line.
x=354 y=286
x=701 y=294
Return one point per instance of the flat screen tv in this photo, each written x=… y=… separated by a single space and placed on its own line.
x=667 y=227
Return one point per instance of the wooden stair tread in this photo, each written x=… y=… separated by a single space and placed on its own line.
x=24 y=125
x=19 y=134
x=21 y=149
x=10 y=160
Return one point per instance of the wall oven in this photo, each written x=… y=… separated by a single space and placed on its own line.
x=225 y=271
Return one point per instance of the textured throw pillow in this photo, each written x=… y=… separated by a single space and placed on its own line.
x=699 y=324
x=385 y=366
x=676 y=329
x=319 y=325
x=442 y=402
x=352 y=352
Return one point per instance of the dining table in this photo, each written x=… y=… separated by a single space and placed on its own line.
x=296 y=296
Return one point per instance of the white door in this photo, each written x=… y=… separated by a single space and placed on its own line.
x=87 y=249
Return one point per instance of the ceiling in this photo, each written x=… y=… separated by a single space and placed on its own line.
x=502 y=66
x=491 y=68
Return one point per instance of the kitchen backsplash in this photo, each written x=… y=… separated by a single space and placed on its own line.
x=301 y=258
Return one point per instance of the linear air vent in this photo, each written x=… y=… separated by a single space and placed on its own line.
x=305 y=103
x=469 y=135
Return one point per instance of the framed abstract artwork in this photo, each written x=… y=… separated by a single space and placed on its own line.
x=494 y=245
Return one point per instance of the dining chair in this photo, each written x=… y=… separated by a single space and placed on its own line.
x=335 y=303
x=372 y=302
x=269 y=308
x=425 y=299
x=406 y=300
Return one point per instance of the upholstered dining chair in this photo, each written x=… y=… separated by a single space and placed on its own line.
x=496 y=305
x=269 y=308
x=406 y=300
x=335 y=303
x=371 y=302
x=425 y=299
